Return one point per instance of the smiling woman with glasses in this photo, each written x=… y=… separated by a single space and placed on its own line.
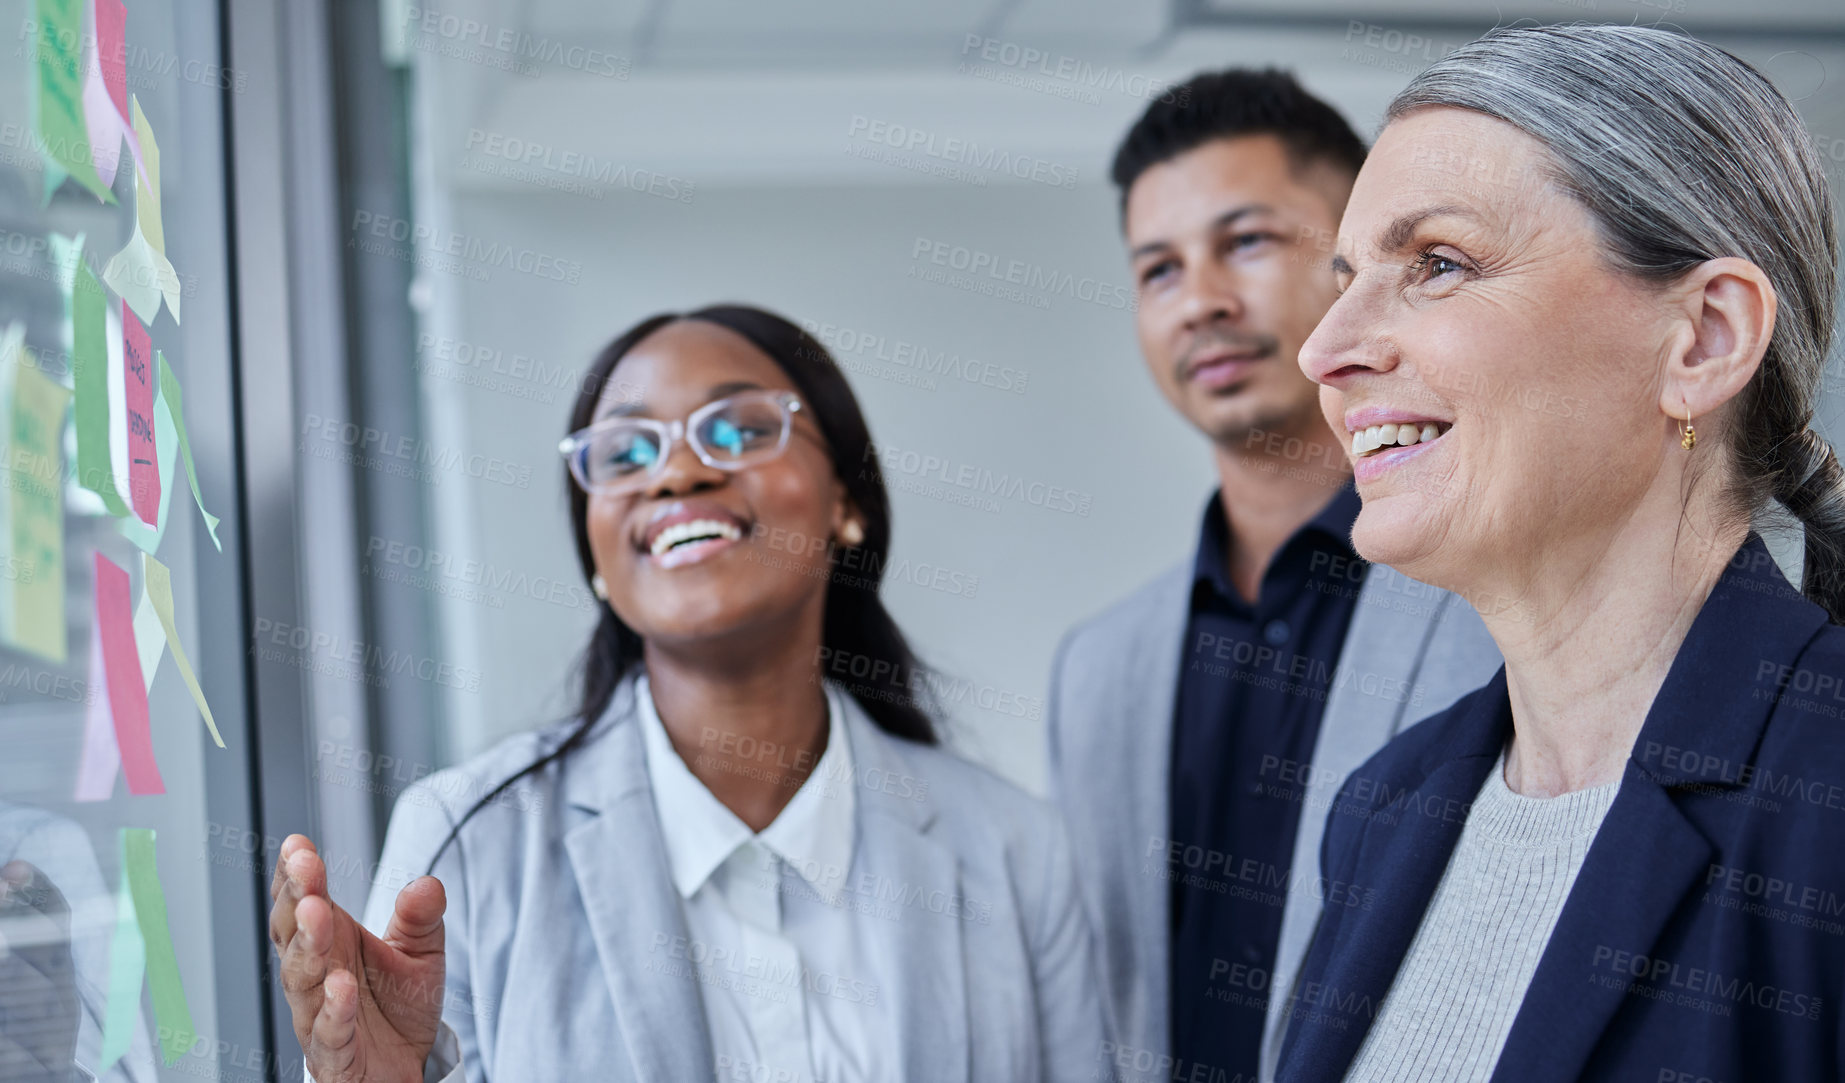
x=726 y=865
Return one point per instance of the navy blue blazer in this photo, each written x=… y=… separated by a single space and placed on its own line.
x=1704 y=939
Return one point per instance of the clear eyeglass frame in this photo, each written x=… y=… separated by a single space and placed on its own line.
x=575 y=447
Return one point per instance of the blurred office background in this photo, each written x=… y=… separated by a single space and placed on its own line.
x=410 y=227
x=798 y=156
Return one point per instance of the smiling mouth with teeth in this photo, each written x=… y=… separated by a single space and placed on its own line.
x=695 y=530
x=1368 y=441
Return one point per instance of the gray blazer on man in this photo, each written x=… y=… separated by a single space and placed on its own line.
x=567 y=940
x=1409 y=651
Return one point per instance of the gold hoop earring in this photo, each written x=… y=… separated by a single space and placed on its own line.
x=1688 y=436
x=600 y=586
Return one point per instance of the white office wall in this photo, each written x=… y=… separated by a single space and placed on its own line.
x=1014 y=573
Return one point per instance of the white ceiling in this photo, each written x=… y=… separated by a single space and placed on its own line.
x=855 y=33
x=733 y=92
x=844 y=32
x=1698 y=16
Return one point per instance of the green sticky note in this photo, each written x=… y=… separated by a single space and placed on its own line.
x=38 y=513
x=64 y=135
x=65 y=254
x=169 y=388
x=127 y=964
x=54 y=180
x=170 y=1011
x=90 y=365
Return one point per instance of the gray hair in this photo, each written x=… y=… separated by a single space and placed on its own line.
x=1682 y=153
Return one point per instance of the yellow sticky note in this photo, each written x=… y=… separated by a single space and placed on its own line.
x=147 y=183
x=12 y=352
x=159 y=586
x=140 y=272
x=38 y=513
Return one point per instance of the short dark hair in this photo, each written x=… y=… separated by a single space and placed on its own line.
x=1236 y=102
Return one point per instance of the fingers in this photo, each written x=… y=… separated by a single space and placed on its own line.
x=289 y=845
x=302 y=876
x=305 y=963
x=307 y=872
x=416 y=920
x=302 y=928
x=332 y=1044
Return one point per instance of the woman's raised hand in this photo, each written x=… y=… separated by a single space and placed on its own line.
x=365 y=1009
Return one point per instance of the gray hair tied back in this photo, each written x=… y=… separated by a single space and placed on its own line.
x=1811 y=485
x=1681 y=153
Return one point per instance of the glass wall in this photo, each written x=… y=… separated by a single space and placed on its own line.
x=125 y=744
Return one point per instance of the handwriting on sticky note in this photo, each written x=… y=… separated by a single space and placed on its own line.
x=146 y=537
x=138 y=382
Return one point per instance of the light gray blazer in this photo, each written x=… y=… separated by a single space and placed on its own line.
x=566 y=937
x=1410 y=650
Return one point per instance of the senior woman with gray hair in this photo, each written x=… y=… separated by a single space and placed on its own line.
x=1587 y=281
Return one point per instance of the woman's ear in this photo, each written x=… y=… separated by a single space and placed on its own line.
x=1728 y=319
x=848 y=522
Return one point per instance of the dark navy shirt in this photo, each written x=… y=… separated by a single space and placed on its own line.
x=1252 y=684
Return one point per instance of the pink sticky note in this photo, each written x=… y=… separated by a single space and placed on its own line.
x=127 y=691
x=111 y=54
x=101 y=759
x=138 y=381
x=102 y=121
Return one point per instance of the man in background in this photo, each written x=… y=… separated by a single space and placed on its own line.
x=1201 y=727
